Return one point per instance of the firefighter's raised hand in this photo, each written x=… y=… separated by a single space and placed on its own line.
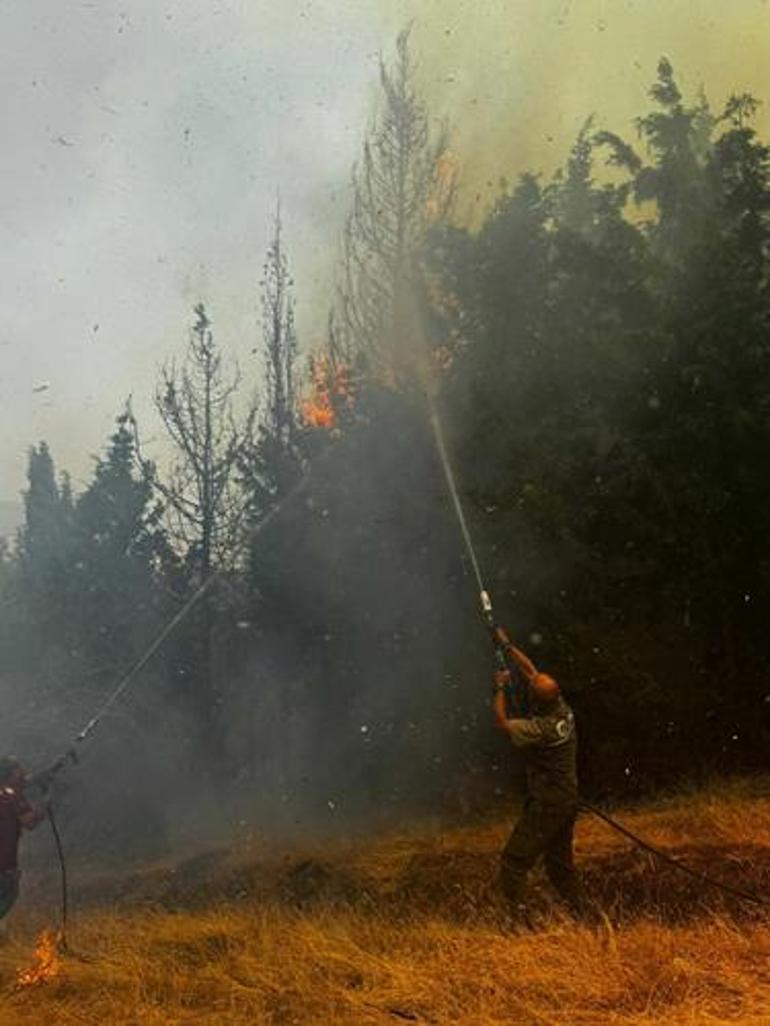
x=500 y=637
x=502 y=679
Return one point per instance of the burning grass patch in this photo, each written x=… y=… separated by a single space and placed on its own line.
x=347 y=968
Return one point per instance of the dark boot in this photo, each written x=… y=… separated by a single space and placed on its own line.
x=560 y=868
x=526 y=843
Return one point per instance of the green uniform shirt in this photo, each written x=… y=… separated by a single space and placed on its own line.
x=548 y=742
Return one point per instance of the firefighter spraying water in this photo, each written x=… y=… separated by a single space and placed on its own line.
x=16 y=816
x=534 y=715
x=548 y=741
x=541 y=725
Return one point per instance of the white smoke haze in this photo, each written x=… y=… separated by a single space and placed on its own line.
x=147 y=143
x=150 y=142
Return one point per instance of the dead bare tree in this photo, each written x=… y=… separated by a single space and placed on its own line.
x=204 y=501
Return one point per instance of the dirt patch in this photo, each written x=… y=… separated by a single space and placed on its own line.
x=193 y=883
x=312 y=882
x=456 y=885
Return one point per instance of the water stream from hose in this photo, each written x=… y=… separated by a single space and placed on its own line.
x=438 y=434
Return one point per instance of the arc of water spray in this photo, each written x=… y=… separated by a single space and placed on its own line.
x=44 y=777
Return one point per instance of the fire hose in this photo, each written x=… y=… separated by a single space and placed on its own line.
x=502 y=646
x=498 y=635
x=64 y=914
x=43 y=779
x=663 y=856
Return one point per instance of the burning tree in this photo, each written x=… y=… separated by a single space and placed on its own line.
x=403 y=184
x=330 y=393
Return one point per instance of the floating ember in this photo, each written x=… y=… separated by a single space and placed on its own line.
x=331 y=391
x=46 y=964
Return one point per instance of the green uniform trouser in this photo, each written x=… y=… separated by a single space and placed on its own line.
x=9 y=890
x=545 y=830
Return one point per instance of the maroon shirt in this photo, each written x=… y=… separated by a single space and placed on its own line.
x=13 y=805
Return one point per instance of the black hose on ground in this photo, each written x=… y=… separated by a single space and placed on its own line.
x=736 y=892
x=63 y=879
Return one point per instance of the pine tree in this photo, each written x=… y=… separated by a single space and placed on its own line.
x=403 y=185
x=47 y=508
x=272 y=464
x=120 y=552
x=279 y=341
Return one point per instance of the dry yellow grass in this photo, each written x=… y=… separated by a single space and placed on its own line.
x=406 y=930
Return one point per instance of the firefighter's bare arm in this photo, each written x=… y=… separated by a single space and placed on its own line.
x=523 y=732
x=522 y=660
x=502 y=680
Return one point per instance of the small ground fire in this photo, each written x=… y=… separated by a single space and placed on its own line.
x=46 y=963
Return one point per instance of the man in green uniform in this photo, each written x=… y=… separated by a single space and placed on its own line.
x=548 y=742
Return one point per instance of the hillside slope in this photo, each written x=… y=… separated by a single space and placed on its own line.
x=409 y=929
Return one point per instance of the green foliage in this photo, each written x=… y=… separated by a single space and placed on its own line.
x=119 y=552
x=615 y=375
x=606 y=391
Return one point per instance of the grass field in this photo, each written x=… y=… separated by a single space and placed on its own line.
x=409 y=929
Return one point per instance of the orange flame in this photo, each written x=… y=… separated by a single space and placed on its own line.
x=46 y=963
x=443 y=189
x=331 y=390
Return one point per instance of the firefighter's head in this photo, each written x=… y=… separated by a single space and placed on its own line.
x=12 y=772
x=544 y=689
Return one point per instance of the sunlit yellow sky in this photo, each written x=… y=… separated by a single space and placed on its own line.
x=149 y=141
x=517 y=78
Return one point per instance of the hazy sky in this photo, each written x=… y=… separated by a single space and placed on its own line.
x=145 y=143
